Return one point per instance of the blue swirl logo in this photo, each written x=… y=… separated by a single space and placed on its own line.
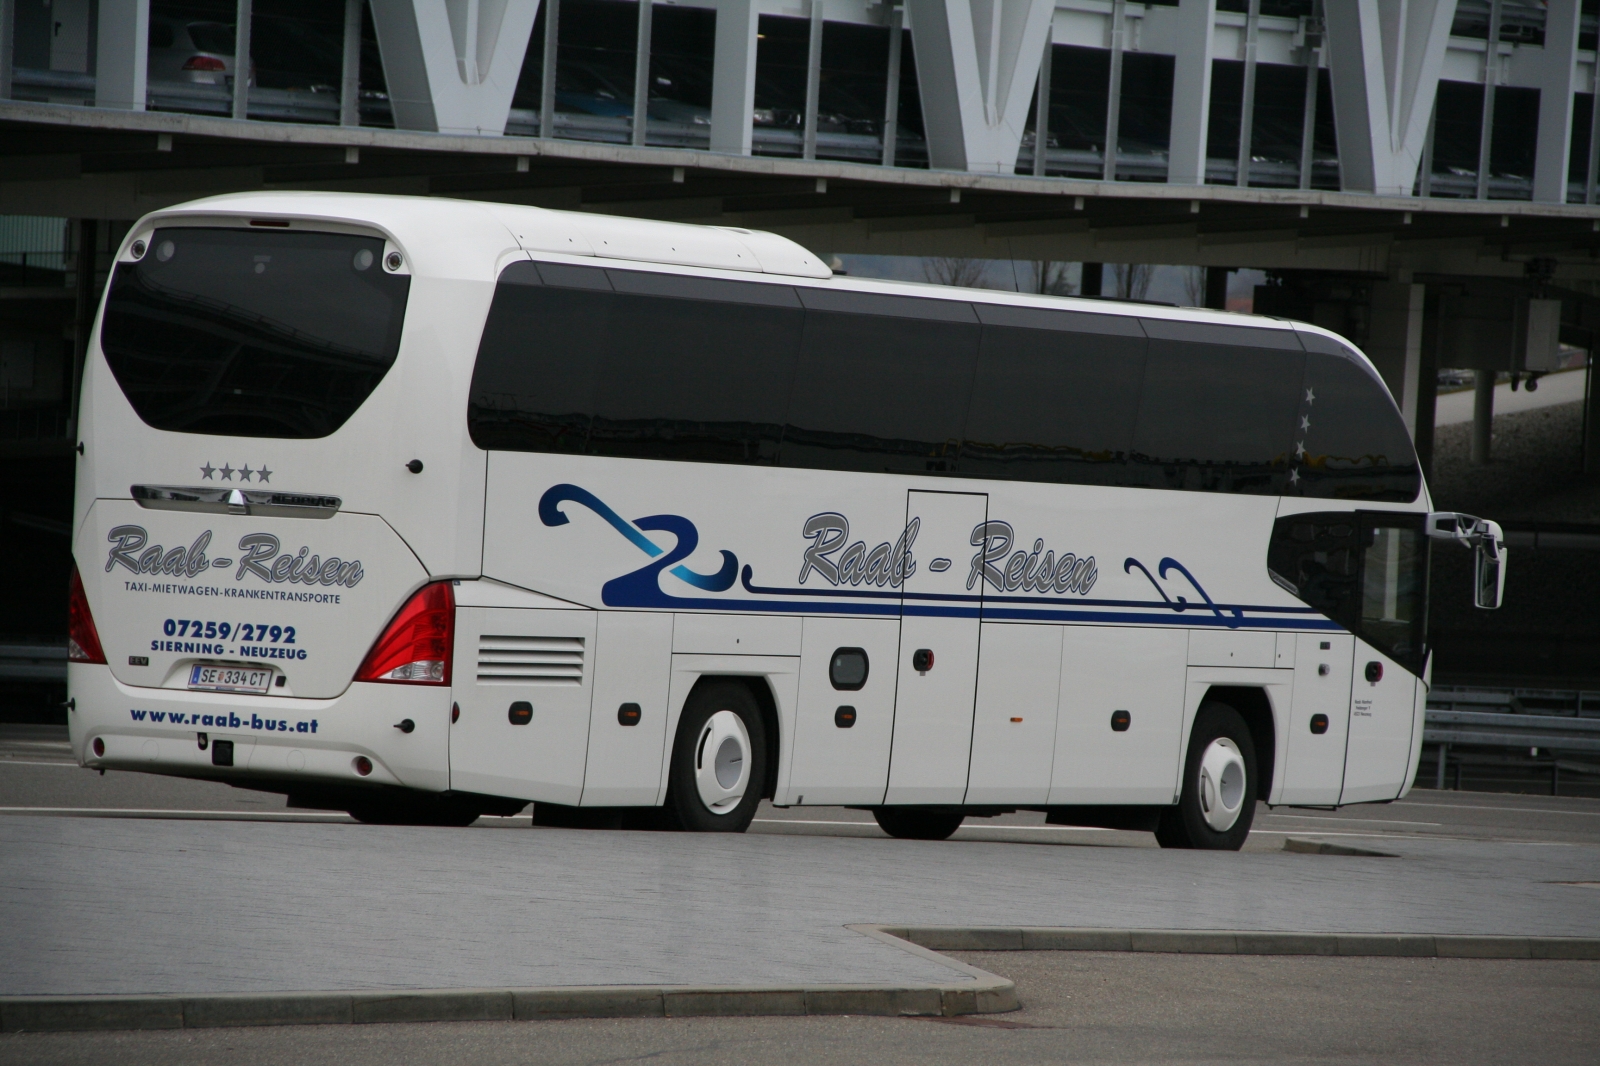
x=641 y=587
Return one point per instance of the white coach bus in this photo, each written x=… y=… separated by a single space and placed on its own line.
x=425 y=509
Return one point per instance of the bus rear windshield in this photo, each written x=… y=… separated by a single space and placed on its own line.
x=252 y=334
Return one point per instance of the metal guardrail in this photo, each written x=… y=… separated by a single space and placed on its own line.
x=33 y=662
x=1512 y=730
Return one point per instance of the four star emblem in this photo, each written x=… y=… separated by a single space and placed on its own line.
x=263 y=475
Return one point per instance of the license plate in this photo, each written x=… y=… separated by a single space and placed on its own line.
x=230 y=679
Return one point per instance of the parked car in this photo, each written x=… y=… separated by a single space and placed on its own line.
x=197 y=52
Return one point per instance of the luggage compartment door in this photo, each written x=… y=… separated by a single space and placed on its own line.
x=841 y=735
x=523 y=681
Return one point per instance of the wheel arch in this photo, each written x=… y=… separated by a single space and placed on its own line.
x=1256 y=709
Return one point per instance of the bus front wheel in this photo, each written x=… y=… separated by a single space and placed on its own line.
x=719 y=760
x=1218 y=801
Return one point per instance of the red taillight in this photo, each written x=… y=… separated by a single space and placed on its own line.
x=83 y=643
x=204 y=63
x=415 y=648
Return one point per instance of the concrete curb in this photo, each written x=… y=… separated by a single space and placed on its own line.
x=1241 y=942
x=977 y=992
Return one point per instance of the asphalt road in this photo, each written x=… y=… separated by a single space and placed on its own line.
x=37 y=776
x=1077 y=1007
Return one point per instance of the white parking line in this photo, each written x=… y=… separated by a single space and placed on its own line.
x=1514 y=810
x=36 y=762
x=874 y=825
x=1332 y=818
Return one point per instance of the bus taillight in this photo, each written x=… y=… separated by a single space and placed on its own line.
x=83 y=642
x=415 y=648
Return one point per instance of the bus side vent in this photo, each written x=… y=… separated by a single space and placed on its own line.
x=504 y=660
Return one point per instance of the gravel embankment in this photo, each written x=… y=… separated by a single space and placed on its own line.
x=1534 y=473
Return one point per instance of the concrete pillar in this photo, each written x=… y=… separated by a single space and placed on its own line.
x=733 y=77
x=1556 y=71
x=1385 y=60
x=1482 y=413
x=1591 y=418
x=1394 y=342
x=452 y=68
x=1217 y=288
x=977 y=65
x=122 y=54
x=1191 y=92
x=641 y=73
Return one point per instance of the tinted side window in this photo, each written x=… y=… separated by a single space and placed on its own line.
x=533 y=386
x=1055 y=396
x=882 y=385
x=1216 y=408
x=1349 y=441
x=1317 y=557
x=697 y=370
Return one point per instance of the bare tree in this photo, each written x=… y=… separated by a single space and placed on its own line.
x=1050 y=278
x=1194 y=286
x=1131 y=280
x=955 y=270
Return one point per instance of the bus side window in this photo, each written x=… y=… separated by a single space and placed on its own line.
x=882 y=385
x=1317 y=557
x=1350 y=442
x=1215 y=408
x=696 y=369
x=533 y=385
x=1055 y=396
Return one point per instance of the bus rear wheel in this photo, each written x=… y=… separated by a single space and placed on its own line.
x=719 y=762
x=916 y=823
x=1218 y=801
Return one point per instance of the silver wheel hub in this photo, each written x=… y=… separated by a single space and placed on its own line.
x=1222 y=784
x=722 y=762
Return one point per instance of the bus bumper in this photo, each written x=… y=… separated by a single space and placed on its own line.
x=161 y=730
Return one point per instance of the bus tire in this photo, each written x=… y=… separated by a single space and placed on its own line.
x=1218 y=801
x=918 y=823
x=719 y=760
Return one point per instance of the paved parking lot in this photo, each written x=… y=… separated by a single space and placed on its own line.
x=234 y=893
x=1076 y=1007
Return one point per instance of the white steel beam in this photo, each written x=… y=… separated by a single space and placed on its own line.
x=1385 y=59
x=350 y=73
x=641 y=73
x=977 y=65
x=733 y=77
x=122 y=54
x=1556 y=71
x=1191 y=92
x=244 y=17
x=452 y=67
x=891 y=90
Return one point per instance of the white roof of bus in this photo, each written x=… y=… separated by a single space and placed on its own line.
x=467 y=238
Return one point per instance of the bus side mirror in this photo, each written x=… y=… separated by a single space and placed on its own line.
x=1489 y=586
x=1488 y=543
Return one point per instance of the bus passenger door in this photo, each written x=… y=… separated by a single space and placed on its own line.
x=523 y=681
x=938 y=665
